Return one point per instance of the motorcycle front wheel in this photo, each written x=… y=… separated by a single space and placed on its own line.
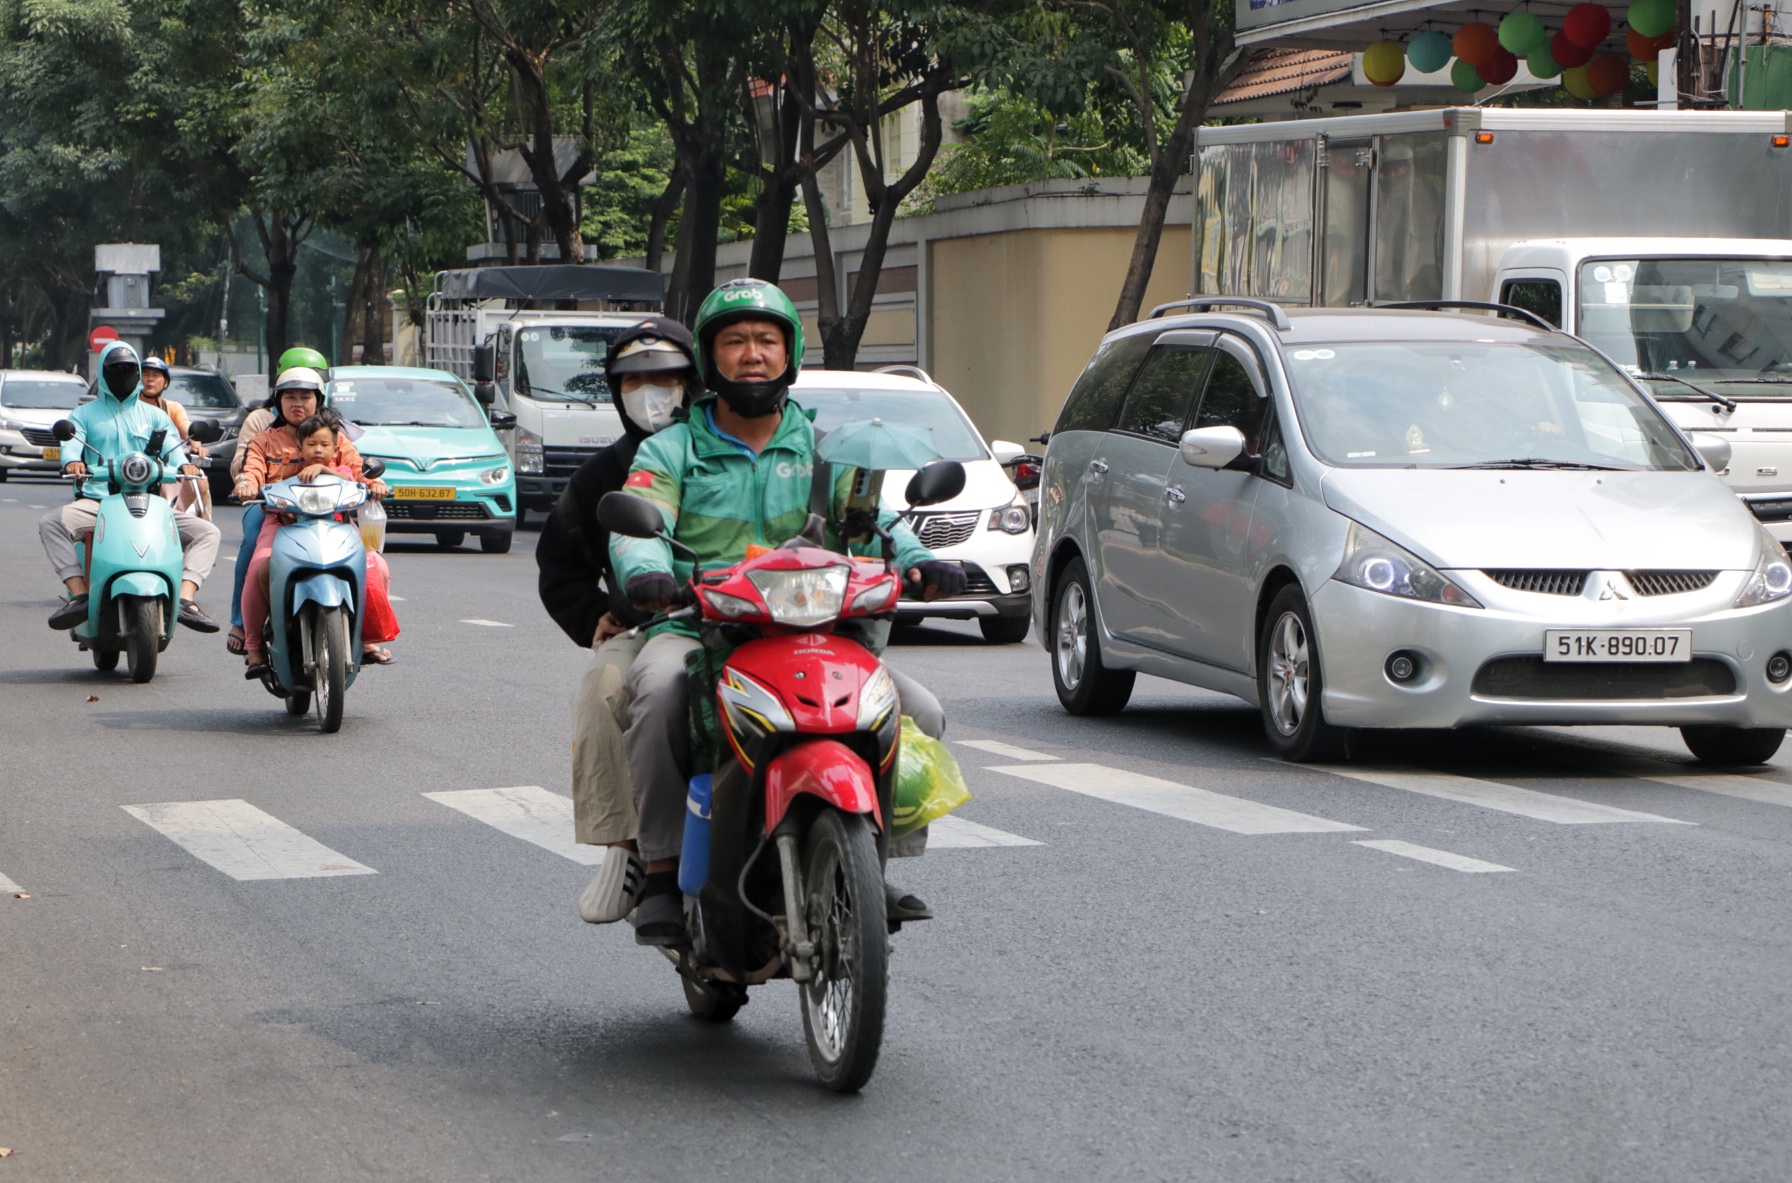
x=844 y=1001
x=105 y=660
x=142 y=636
x=329 y=640
x=713 y=1002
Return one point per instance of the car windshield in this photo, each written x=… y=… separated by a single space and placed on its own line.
x=1462 y=404
x=45 y=394
x=927 y=410
x=564 y=363
x=203 y=390
x=405 y=402
x=1724 y=324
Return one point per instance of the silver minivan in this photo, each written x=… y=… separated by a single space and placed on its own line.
x=1370 y=518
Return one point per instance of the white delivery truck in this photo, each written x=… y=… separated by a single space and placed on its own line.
x=1664 y=238
x=532 y=341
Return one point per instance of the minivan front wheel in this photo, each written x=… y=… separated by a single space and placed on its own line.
x=1290 y=684
x=1085 y=685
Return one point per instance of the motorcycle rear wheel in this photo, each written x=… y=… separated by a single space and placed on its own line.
x=105 y=660
x=298 y=702
x=844 y=1002
x=142 y=636
x=329 y=637
x=713 y=1002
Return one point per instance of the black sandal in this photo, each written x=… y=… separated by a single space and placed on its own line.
x=237 y=644
x=254 y=672
x=377 y=656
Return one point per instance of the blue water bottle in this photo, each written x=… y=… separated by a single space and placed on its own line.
x=693 y=859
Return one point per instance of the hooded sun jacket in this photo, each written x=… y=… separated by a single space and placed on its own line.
x=108 y=429
x=717 y=500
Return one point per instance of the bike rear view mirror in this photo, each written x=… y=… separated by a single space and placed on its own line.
x=940 y=481
x=373 y=468
x=63 y=430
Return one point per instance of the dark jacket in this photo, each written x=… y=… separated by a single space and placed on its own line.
x=573 y=555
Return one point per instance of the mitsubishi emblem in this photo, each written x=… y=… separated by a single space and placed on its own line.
x=1612 y=591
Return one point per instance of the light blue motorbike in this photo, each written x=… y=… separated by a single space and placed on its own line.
x=133 y=558
x=317 y=584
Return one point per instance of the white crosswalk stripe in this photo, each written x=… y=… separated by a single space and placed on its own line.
x=1186 y=802
x=8 y=887
x=1547 y=807
x=244 y=842
x=1748 y=788
x=1425 y=854
x=487 y=623
x=529 y=812
x=956 y=833
x=996 y=747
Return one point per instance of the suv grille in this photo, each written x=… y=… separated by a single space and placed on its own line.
x=436 y=511
x=43 y=437
x=1548 y=583
x=977 y=586
x=944 y=529
x=1669 y=583
x=1532 y=677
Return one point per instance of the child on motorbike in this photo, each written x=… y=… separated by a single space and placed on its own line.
x=320 y=448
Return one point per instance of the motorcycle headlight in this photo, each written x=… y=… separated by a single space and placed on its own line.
x=877 y=597
x=1372 y=562
x=529 y=456
x=136 y=469
x=276 y=501
x=1772 y=579
x=1014 y=518
x=495 y=476
x=877 y=699
x=317 y=499
x=733 y=607
x=803 y=598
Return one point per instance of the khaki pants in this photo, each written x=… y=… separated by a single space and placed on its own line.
x=57 y=530
x=603 y=807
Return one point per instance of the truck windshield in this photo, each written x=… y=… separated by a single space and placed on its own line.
x=1468 y=404
x=932 y=412
x=564 y=363
x=405 y=402
x=46 y=394
x=1721 y=323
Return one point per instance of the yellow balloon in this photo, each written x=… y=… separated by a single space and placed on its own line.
x=1574 y=81
x=1653 y=69
x=1384 y=62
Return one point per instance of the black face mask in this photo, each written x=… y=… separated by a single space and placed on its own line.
x=751 y=400
x=121 y=378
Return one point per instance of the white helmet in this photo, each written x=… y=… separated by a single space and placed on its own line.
x=299 y=378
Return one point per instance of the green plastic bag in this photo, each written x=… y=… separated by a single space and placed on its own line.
x=928 y=782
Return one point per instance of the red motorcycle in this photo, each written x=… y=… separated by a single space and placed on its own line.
x=808 y=722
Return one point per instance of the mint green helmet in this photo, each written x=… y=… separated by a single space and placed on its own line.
x=747 y=299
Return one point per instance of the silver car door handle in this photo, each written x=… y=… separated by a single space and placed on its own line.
x=1174 y=495
x=1098 y=466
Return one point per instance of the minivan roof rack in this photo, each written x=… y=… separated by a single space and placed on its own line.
x=1269 y=308
x=1483 y=305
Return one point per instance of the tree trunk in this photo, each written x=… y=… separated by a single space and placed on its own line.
x=779 y=175
x=558 y=204
x=827 y=282
x=353 y=305
x=695 y=272
x=373 y=310
x=662 y=217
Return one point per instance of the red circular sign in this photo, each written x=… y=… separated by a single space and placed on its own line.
x=97 y=339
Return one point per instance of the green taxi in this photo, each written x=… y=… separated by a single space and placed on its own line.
x=448 y=470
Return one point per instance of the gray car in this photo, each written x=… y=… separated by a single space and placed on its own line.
x=1394 y=519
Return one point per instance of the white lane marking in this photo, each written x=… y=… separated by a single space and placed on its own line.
x=1424 y=854
x=996 y=747
x=489 y=623
x=1545 y=807
x=529 y=812
x=1173 y=800
x=7 y=886
x=243 y=842
x=395 y=599
x=953 y=833
x=11 y=500
x=1749 y=788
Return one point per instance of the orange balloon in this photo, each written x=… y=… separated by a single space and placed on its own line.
x=1642 y=48
x=1476 y=42
x=1608 y=74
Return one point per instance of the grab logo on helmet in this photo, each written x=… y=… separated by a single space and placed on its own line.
x=744 y=294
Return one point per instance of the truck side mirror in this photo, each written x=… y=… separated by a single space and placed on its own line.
x=485 y=393
x=485 y=363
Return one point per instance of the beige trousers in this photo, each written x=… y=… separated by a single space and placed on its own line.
x=603 y=806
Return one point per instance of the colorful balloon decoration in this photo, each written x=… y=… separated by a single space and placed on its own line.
x=1499 y=69
x=1587 y=25
x=1608 y=74
x=1429 y=51
x=1464 y=77
x=1574 y=81
x=1475 y=42
x=1384 y=62
x=1521 y=33
x=1567 y=54
x=1542 y=65
x=1653 y=70
x=1651 y=18
x=1647 y=49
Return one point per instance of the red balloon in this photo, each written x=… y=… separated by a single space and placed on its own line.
x=1499 y=69
x=1475 y=42
x=1587 y=25
x=1608 y=74
x=1567 y=54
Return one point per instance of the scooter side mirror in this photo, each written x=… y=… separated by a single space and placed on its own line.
x=373 y=468
x=63 y=430
x=629 y=515
x=940 y=481
x=205 y=431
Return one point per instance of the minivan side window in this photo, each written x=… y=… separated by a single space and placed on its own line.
x=1164 y=392
x=1542 y=296
x=1231 y=400
x=1095 y=399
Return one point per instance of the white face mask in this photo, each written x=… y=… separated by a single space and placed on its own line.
x=652 y=406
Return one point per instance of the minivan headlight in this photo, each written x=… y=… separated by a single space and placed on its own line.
x=495 y=476
x=1374 y=563
x=1013 y=518
x=1772 y=579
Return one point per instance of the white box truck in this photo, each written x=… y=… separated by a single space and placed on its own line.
x=532 y=341
x=1663 y=238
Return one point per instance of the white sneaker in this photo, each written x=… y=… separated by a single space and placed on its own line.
x=612 y=891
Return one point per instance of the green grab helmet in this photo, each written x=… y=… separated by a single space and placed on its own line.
x=747 y=299
x=302 y=356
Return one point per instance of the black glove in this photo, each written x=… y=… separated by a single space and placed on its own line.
x=940 y=579
x=650 y=589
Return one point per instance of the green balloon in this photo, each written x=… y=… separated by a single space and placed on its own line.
x=1651 y=18
x=1542 y=63
x=1429 y=51
x=1521 y=32
x=1464 y=77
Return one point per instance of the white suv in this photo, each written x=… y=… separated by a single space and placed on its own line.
x=988 y=527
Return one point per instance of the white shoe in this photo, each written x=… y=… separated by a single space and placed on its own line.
x=612 y=891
